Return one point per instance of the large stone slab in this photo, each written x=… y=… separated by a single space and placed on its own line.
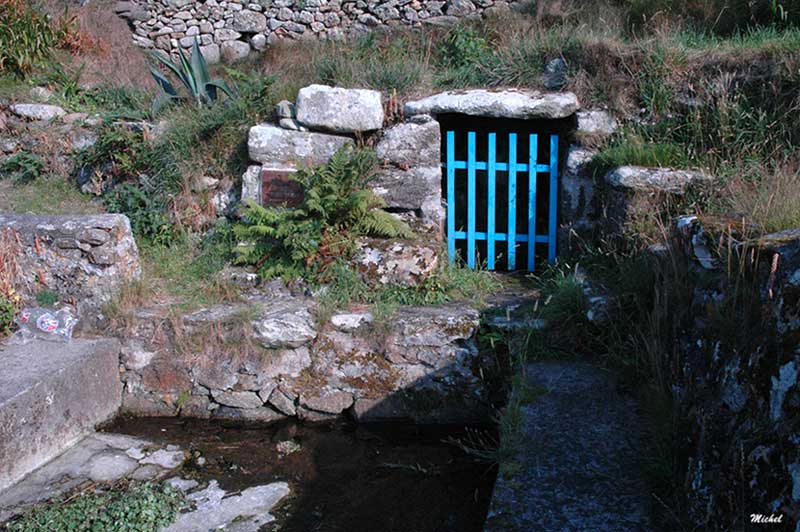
x=277 y=147
x=339 y=110
x=52 y=394
x=85 y=258
x=507 y=103
x=577 y=465
x=643 y=179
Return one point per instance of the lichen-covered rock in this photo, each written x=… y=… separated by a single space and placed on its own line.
x=85 y=258
x=37 y=111
x=416 y=142
x=339 y=110
x=275 y=146
x=508 y=103
x=596 y=124
x=642 y=179
x=396 y=262
x=286 y=323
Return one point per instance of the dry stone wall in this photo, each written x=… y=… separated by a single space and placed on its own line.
x=231 y=29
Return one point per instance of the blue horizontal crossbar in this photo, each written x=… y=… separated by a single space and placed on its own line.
x=500 y=167
x=502 y=237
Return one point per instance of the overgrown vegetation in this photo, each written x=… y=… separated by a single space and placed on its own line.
x=125 y=508
x=337 y=208
x=10 y=300
x=22 y=167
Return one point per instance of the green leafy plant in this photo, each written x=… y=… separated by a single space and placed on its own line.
x=337 y=207
x=193 y=74
x=8 y=311
x=146 y=214
x=22 y=167
x=139 y=508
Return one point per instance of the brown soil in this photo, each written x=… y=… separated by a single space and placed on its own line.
x=374 y=478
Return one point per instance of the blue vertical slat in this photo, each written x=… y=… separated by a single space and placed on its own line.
x=490 y=214
x=533 y=150
x=471 y=199
x=512 y=200
x=451 y=195
x=551 y=233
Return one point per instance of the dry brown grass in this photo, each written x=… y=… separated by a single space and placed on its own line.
x=768 y=198
x=103 y=43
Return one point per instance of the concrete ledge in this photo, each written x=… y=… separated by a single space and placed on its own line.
x=51 y=395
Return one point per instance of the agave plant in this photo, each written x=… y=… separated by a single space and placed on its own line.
x=193 y=73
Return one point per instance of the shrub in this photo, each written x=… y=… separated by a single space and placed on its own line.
x=139 y=508
x=193 y=74
x=144 y=211
x=22 y=167
x=337 y=207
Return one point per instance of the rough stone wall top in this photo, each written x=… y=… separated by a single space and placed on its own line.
x=85 y=258
x=507 y=103
x=230 y=29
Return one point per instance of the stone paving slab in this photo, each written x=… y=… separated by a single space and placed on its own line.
x=97 y=458
x=51 y=395
x=579 y=467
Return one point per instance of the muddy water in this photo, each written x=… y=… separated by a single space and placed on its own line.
x=344 y=478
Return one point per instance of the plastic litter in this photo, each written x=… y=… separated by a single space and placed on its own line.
x=44 y=324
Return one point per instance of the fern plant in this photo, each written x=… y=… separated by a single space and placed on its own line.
x=306 y=241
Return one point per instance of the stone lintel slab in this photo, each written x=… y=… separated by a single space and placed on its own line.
x=502 y=103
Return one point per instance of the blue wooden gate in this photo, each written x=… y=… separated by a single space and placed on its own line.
x=513 y=235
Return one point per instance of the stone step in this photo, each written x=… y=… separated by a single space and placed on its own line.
x=578 y=466
x=51 y=395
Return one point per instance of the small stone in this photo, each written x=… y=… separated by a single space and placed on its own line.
x=555 y=74
x=237 y=399
x=165 y=459
x=41 y=94
x=351 y=321
x=287 y=447
x=110 y=466
x=258 y=41
x=291 y=124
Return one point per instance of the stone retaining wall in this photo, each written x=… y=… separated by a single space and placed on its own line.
x=83 y=258
x=267 y=358
x=231 y=29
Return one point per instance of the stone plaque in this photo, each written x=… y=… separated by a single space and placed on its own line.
x=278 y=189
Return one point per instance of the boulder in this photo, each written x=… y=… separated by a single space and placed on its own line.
x=396 y=262
x=275 y=146
x=642 y=179
x=232 y=51
x=285 y=323
x=247 y=21
x=339 y=110
x=37 y=111
x=506 y=103
x=596 y=123
x=460 y=8
x=211 y=53
x=416 y=142
x=417 y=188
